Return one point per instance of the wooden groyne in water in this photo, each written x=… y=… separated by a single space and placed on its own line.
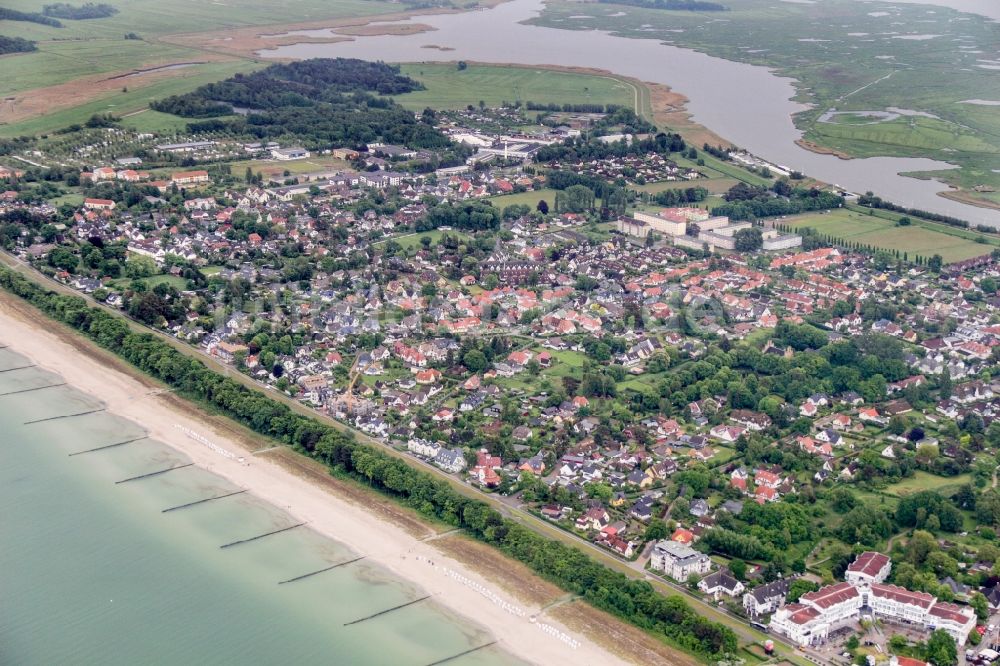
x=461 y=654
x=149 y=474
x=20 y=367
x=65 y=416
x=387 y=610
x=202 y=501
x=261 y=536
x=107 y=446
x=313 y=573
x=35 y=388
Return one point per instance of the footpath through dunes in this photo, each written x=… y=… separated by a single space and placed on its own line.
x=453 y=583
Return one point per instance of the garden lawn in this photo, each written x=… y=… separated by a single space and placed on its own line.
x=921 y=480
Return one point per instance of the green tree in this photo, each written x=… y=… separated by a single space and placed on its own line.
x=739 y=569
x=979 y=604
x=799 y=587
x=656 y=530
x=749 y=240
x=898 y=643
x=843 y=500
x=63 y=258
x=945 y=384
x=475 y=361
x=988 y=507
x=577 y=199
x=941 y=648
x=138 y=266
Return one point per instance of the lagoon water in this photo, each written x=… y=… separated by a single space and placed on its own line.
x=93 y=572
x=746 y=104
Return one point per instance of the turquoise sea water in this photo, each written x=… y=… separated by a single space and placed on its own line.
x=94 y=572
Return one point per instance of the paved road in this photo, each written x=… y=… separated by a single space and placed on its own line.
x=510 y=509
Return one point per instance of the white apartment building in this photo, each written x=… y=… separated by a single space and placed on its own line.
x=818 y=613
x=868 y=568
x=956 y=620
x=423 y=447
x=899 y=604
x=678 y=560
x=801 y=624
x=767 y=598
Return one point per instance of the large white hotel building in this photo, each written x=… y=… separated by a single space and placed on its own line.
x=817 y=614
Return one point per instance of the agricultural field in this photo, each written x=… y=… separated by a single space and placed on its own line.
x=920 y=238
x=129 y=99
x=451 y=88
x=847 y=57
x=59 y=61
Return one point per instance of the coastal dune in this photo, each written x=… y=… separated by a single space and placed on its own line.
x=518 y=624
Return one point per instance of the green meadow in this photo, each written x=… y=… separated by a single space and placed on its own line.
x=133 y=100
x=451 y=88
x=156 y=18
x=526 y=198
x=919 y=238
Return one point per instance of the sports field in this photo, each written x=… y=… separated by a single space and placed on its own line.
x=451 y=88
x=919 y=238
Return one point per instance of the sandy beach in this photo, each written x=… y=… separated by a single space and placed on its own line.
x=453 y=584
